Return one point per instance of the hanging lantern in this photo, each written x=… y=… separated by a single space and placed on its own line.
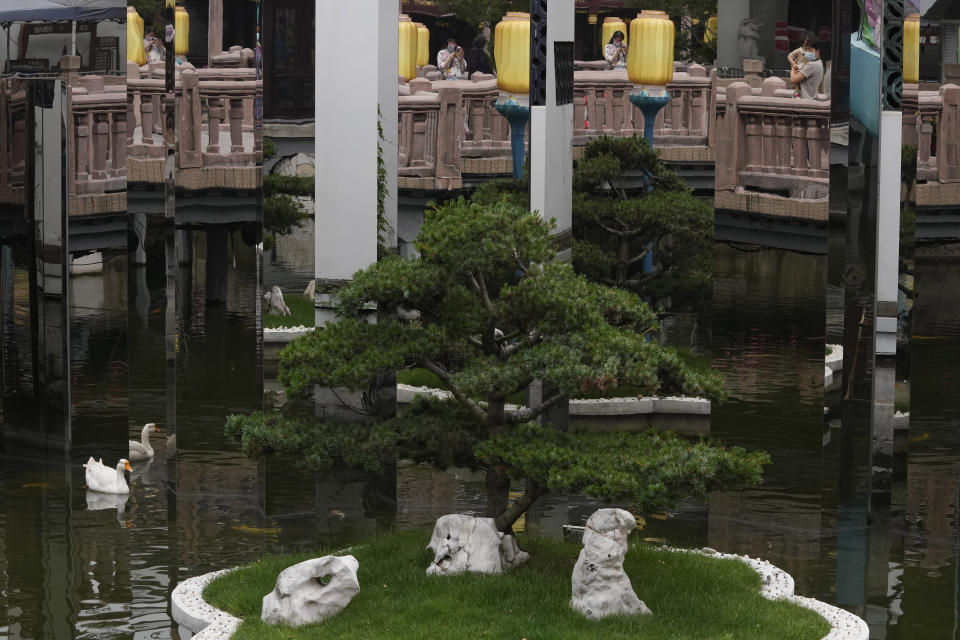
x=710 y=33
x=911 y=48
x=512 y=53
x=408 y=48
x=181 y=39
x=135 y=52
x=611 y=26
x=650 y=59
x=423 y=45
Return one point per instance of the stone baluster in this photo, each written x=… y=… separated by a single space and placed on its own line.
x=784 y=146
x=82 y=159
x=446 y=134
x=404 y=138
x=236 y=125
x=948 y=134
x=734 y=141
x=753 y=129
x=146 y=118
x=215 y=113
x=101 y=139
x=130 y=118
x=815 y=147
x=798 y=135
x=190 y=121
x=119 y=138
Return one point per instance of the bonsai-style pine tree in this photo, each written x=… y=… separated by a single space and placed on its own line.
x=487 y=311
x=627 y=205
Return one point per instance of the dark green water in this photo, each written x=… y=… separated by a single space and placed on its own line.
x=70 y=567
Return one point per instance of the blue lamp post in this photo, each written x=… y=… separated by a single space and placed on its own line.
x=512 y=53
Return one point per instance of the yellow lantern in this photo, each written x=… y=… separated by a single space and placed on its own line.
x=423 y=45
x=650 y=59
x=408 y=48
x=710 y=33
x=135 y=52
x=611 y=26
x=512 y=53
x=911 y=48
x=181 y=40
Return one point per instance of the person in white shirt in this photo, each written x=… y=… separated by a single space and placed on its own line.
x=450 y=61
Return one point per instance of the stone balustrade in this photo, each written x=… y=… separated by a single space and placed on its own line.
x=215 y=127
x=936 y=133
x=449 y=129
x=97 y=144
x=776 y=152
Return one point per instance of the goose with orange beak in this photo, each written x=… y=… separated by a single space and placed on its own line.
x=106 y=480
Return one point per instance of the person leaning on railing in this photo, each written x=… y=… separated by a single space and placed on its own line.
x=615 y=52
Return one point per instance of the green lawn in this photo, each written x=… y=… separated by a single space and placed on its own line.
x=692 y=598
x=301 y=313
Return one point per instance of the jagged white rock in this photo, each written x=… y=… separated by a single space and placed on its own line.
x=312 y=591
x=600 y=585
x=274 y=301
x=462 y=543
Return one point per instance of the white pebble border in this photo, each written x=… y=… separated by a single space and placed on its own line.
x=192 y=612
x=209 y=623
x=777 y=584
x=591 y=407
x=284 y=334
x=835 y=359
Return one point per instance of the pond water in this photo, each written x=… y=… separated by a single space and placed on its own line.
x=73 y=567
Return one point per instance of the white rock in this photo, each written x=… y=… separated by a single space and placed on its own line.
x=312 y=591
x=600 y=586
x=274 y=301
x=300 y=164
x=463 y=543
x=311 y=289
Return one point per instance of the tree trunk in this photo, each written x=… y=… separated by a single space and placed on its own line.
x=504 y=520
x=623 y=257
x=498 y=491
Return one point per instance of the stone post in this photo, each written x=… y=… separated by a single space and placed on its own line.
x=214 y=29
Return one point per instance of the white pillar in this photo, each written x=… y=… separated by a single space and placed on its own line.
x=551 y=133
x=389 y=43
x=348 y=89
x=888 y=233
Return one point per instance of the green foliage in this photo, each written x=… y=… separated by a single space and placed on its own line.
x=908 y=165
x=291 y=185
x=477 y=12
x=693 y=597
x=281 y=213
x=617 y=219
x=651 y=471
x=690 y=18
x=383 y=191
x=269 y=148
x=486 y=310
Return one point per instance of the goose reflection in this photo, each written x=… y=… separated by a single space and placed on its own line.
x=140 y=471
x=97 y=501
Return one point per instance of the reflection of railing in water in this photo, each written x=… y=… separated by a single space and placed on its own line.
x=934 y=126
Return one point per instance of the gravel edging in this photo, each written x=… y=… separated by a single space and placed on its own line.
x=777 y=584
x=284 y=334
x=207 y=622
x=680 y=405
x=191 y=611
x=835 y=359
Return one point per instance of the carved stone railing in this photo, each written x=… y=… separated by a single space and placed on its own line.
x=448 y=129
x=938 y=146
x=775 y=149
x=214 y=123
x=99 y=144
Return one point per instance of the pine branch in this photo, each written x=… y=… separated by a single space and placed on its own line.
x=531 y=413
x=439 y=371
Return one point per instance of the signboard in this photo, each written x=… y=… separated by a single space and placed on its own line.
x=28 y=65
x=106 y=53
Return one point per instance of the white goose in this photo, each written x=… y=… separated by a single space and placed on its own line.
x=106 y=480
x=142 y=450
